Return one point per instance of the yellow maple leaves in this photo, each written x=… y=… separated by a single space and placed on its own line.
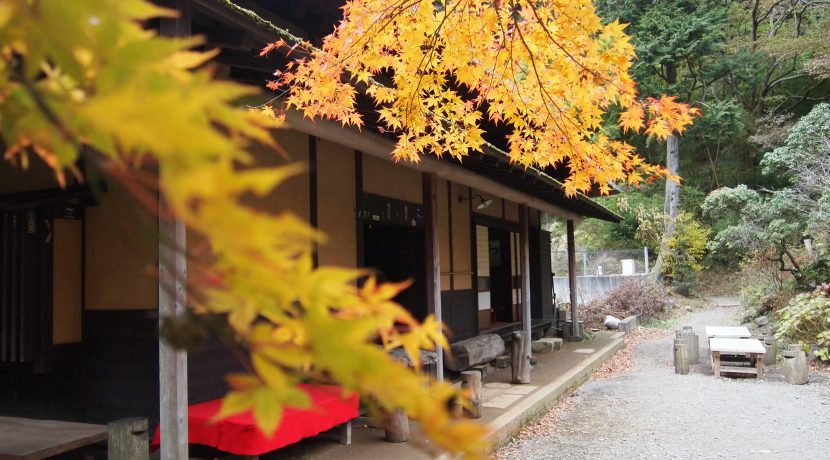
x=549 y=70
x=83 y=77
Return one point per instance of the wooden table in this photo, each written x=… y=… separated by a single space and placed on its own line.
x=731 y=332
x=752 y=351
x=29 y=439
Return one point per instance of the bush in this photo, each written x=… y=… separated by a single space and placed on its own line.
x=805 y=320
x=644 y=299
x=818 y=271
x=685 y=250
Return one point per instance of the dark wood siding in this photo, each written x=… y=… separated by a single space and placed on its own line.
x=121 y=375
x=541 y=298
x=460 y=313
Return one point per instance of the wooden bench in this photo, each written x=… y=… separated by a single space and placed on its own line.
x=239 y=435
x=30 y=439
x=737 y=356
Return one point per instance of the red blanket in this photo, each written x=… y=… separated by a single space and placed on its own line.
x=239 y=434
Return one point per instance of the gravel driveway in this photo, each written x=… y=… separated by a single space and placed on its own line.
x=653 y=413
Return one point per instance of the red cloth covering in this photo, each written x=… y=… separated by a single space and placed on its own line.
x=240 y=435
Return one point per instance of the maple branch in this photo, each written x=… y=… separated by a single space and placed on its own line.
x=390 y=19
x=426 y=58
x=567 y=53
x=544 y=92
x=43 y=106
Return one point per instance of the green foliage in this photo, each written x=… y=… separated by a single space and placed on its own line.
x=805 y=145
x=817 y=272
x=806 y=320
x=747 y=223
x=641 y=210
x=685 y=249
x=668 y=35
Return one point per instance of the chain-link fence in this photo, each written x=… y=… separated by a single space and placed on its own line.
x=603 y=262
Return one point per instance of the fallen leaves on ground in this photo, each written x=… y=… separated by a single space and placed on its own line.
x=623 y=361
x=620 y=363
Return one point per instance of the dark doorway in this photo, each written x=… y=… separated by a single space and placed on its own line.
x=501 y=292
x=397 y=254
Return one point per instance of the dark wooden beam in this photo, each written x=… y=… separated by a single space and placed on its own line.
x=217 y=9
x=249 y=60
x=572 y=278
x=222 y=37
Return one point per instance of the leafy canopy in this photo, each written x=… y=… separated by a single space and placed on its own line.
x=83 y=77
x=438 y=71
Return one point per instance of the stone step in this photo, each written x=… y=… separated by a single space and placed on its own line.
x=540 y=347
x=555 y=342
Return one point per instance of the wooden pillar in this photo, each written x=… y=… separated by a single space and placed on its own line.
x=572 y=278
x=173 y=298
x=397 y=427
x=524 y=266
x=172 y=362
x=433 y=257
x=471 y=382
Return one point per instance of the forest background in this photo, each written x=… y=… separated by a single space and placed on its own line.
x=754 y=198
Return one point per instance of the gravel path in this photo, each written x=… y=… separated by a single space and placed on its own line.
x=653 y=413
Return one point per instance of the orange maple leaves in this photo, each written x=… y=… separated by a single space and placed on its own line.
x=440 y=73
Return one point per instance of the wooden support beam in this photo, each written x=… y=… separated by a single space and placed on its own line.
x=524 y=261
x=433 y=257
x=172 y=296
x=572 y=278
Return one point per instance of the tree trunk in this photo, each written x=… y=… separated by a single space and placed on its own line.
x=671 y=204
x=672 y=201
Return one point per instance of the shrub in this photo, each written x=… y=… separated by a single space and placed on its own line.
x=685 y=249
x=644 y=299
x=805 y=320
x=817 y=272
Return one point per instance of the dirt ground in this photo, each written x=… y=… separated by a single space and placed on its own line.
x=649 y=412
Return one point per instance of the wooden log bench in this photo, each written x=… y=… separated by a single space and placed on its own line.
x=737 y=356
x=239 y=435
x=476 y=350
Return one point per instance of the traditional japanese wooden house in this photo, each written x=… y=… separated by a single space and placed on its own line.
x=80 y=298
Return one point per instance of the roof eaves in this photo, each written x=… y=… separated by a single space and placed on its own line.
x=490 y=149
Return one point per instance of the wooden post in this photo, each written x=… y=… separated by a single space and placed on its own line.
x=572 y=279
x=524 y=258
x=429 y=186
x=128 y=440
x=693 y=344
x=397 y=429
x=471 y=382
x=345 y=435
x=681 y=355
x=173 y=302
x=520 y=368
x=173 y=299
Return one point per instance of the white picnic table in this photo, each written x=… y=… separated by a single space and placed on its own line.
x=751 y=349
x=734 y=332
